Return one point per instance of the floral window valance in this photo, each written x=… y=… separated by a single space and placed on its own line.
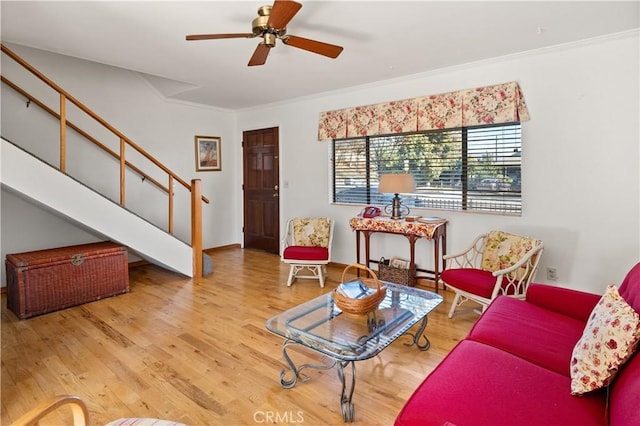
x=502 y=103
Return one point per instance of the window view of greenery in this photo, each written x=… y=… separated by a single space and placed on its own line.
x=474 y=169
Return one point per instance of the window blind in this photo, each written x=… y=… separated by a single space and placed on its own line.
x=471 y=168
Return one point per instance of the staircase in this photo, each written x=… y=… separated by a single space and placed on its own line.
x=51 y=187
x=36 y=180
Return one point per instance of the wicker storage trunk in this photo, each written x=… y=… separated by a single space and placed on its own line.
x=49 y=280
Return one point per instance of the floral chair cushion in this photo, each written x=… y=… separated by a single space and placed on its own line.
x=311 y=232
x=609 y=339
x=503 y=250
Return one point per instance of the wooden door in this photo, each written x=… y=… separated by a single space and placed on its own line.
x=261 y=190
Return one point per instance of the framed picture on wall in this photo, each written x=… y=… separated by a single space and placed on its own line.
x=208 y=154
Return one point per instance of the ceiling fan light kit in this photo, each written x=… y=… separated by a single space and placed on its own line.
x=271 y=24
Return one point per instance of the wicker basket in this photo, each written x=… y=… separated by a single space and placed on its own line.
x=365 y=304
x=395 y=275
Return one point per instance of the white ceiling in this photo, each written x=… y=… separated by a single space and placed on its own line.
x=381 y=39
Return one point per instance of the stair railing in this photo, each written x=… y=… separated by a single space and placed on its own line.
x=194 y=187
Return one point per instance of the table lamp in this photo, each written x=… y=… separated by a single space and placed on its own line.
x=397 y=183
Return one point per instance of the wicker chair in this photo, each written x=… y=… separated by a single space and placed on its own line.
x=306 y=246
x=495 y=263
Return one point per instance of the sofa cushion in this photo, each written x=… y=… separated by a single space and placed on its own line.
x=624 y=397
x=477 y=385
x=609 y=339
x=630 y=288
x=555 y=299
x=625 y=389
x=541 y=336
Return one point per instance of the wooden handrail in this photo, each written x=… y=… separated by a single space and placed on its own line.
x=82 y=133
x=95 y=116
x=194 y=188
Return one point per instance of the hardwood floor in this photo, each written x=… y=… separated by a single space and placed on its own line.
x=197 y=351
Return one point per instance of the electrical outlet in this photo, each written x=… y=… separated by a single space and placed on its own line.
x=552 y=273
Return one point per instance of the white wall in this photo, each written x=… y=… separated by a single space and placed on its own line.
x=581 y=180
x=164 y=128
x=581 y=154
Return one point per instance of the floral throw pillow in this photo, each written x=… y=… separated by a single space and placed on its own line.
x=503 y=250
x=609 y=339
x=311 y=232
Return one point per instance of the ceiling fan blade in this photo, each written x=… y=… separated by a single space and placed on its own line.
x=326 y=49
x=216 y=36
x=259 y=56
x=282 y=12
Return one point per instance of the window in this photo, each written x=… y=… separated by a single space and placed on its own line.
x=472 y=169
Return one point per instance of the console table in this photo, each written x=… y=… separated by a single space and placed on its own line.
x=435 y=231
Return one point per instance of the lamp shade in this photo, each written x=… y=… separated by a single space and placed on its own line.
x=397 y=183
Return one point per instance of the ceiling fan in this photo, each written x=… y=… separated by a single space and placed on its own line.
x=271 y=24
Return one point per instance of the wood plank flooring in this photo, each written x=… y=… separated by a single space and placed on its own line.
x=197 y=351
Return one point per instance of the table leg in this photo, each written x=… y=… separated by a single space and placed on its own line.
x=348 y=384
x=439 y=237
x=412 y=263
x=367 y=247
x=443 y=238
x=296 y=371
x=358 y=250
x=436 y=259
x=346 y=403
x=418 y=335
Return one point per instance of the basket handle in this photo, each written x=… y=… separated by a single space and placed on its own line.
x=364 y=268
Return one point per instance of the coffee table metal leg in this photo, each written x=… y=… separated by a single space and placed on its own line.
x=288 y=384
x=420 y=334
x=348 y=384
x=348 y=410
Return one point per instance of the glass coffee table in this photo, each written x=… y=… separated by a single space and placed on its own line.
x=321 y=326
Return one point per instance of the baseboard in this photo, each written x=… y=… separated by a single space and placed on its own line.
x=428 y=284
x=337 y=265
x=137 y=263
x=143 y=262
x=219 y=248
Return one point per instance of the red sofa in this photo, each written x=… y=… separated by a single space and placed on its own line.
x=513 y=368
